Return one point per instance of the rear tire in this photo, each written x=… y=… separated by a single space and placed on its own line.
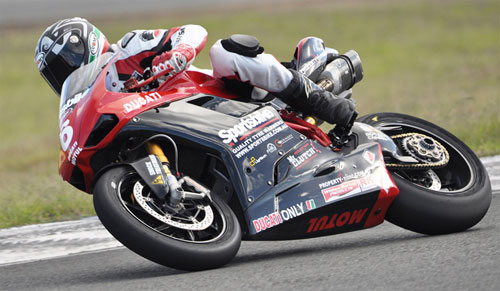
x=157 y=241
x=464 y=197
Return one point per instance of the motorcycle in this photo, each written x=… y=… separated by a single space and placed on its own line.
x=181 y=170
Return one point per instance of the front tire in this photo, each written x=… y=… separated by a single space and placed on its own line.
x=458 y=204
x=164 y=244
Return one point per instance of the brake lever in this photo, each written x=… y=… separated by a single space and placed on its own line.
x=132 y=84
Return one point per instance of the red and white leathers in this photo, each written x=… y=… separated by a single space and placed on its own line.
x=263 y=71
x=138 y=48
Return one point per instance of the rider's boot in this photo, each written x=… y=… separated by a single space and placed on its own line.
x=309 y=98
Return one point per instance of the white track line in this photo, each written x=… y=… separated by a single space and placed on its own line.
x=44 y=241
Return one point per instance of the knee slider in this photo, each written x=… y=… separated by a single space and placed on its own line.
x=245 y=45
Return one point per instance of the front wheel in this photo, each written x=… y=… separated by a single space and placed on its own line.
x=445 y=199
x=192 y=237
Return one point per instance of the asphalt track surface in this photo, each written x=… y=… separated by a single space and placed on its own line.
x=81 y=255
x=382 y=258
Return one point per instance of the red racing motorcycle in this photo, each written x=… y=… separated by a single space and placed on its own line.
x=182 y=170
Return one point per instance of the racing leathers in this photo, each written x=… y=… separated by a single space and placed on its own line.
x=242 y=58
x=139 y=48
x=239 y=58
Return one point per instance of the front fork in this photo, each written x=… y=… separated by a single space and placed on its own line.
x=173 y=185
x=177 y=194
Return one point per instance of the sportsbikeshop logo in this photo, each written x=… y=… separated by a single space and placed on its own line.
x=245 y=125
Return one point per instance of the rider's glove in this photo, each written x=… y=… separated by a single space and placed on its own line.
x=332 y=109
x=176 y=60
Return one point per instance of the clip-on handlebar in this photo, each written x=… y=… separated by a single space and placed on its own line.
x=132 y=84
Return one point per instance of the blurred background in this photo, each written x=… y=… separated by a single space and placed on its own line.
x=438 y=60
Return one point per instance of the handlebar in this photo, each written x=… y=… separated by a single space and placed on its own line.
x=326 y=84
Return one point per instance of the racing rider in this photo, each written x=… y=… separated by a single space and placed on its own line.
x=71 y=43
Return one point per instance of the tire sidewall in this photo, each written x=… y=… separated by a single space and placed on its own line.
x=155 y=246
x=432 y=212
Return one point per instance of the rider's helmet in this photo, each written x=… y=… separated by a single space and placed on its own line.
x=65 y=46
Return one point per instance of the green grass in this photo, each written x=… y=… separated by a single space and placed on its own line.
x=438 y=61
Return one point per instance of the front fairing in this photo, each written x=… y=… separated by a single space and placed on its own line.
x=85 y=100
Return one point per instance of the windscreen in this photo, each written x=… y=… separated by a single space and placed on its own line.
x=79 y=82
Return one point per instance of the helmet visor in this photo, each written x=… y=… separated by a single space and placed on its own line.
x=62 y=63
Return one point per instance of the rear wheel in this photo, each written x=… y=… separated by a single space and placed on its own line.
x=434 y=200
x=192 y=237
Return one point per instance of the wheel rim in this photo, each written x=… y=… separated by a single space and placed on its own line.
x=456 y=177
x=192 y=222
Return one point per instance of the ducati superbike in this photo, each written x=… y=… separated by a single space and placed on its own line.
x=181 y=170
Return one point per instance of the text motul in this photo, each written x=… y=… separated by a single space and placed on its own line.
x=336 y=220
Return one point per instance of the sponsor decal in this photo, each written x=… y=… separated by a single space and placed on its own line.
x=73 y=153
x=279 y=217
x=93 y=43
x=271 y=148
x=71 y=102
x=330 y=193
x=303 y=155
x=154 y=170
x=254 y=161
x=373 y=135
x=347 y=185
x=340 y=179
x=267 y=221
x=151 y=171
x=350 y=187
x=294 y=211
x=369 y=157
x=246 y=124
x=331 y=182
x=336 y=220
x=139 y=102
x=280 y=142
x=153 y=166
x=252 y=131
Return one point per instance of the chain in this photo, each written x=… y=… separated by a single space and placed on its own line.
x=420 y=166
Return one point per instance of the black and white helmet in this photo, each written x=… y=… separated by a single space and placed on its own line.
x=65 y=46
